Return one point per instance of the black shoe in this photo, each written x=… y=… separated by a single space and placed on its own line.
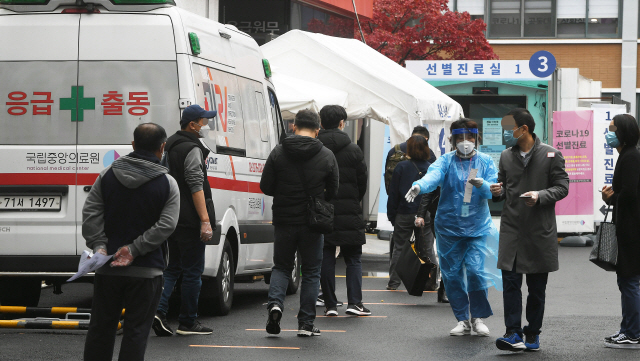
x=442 y=295
x=331 y=311
x=161 y=326
x=357 y=310
x=308 y=331
x=273 y=323
x=623 y=341
x=195 y=329
x=612 y=337
x=320 y=302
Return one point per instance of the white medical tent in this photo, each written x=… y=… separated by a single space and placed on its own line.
x=377 y=87
x=297 y=94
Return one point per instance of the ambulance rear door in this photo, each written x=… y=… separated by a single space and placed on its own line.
x=38 y=130
x=129 y=75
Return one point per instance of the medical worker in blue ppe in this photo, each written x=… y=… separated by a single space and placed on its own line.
x=466 y=238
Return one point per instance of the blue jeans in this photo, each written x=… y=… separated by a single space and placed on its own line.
x=352 y=258
x=290 y=238
x=186 y=257
x=630 y=292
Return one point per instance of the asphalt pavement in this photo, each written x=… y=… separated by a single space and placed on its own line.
x=583 y=306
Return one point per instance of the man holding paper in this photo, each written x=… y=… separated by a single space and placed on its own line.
x=531 y=179
x=133 y=207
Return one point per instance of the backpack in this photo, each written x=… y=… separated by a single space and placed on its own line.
x=392 y=162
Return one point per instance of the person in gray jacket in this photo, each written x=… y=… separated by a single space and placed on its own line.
x=531 y=178
x=131 y=210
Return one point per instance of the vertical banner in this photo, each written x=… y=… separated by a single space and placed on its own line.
x=605 y=157
x=573 y=136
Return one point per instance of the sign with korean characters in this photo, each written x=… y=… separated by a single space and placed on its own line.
x=474 y=70
x=604 y=156
x=573 y=137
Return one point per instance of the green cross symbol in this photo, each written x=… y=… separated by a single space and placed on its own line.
x=77 y=103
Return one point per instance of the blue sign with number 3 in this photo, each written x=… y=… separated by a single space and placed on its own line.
x=542 y=64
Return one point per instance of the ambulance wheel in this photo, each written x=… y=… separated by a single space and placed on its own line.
x=217 y=293
x=20 y=291
x=296 y=274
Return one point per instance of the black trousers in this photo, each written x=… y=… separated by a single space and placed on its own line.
x=352 y=258
x=140 y=297
x=512 y=297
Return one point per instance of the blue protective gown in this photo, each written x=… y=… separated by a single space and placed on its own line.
x=466 y=237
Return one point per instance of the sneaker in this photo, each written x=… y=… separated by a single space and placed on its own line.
x=357 y=310
x=273 y=323
x=478 y=326
x=532 y=342
x=331 y=311
x=612 y=337
x=624 y=341
x=461 y=329
x=161 y=326
x=195 y=329
x=308 y=331
x=510 y=342
x=320 y=303
x=389 y=288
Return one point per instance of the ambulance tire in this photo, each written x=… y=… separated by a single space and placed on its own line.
x=217 y=293
x=20 y=291
x=296 y=275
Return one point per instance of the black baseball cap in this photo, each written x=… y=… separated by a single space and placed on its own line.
x=194 y=112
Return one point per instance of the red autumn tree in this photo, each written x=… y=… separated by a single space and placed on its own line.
x=415 y=30
x=425 y=30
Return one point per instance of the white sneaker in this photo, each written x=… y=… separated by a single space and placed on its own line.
x=461 y=329
x=479 y=327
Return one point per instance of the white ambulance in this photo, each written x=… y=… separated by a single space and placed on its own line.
x=76 y=78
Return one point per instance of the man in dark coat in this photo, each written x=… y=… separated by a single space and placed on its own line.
x=418 y=130
x=300 y=159
x=531 y=178
x=348 y=226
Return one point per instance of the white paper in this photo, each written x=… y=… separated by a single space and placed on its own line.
x=469 y=187
x=89 y=262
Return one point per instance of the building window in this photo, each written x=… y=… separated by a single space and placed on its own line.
x=306 y=18
x=475 y=8
x=553 y=18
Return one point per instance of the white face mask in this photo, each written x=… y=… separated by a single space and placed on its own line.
x=204 y=131
x=466 y=147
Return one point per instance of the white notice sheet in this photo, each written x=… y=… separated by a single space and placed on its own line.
x=89 y=262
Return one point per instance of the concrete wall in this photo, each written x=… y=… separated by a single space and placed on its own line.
x=205 y=8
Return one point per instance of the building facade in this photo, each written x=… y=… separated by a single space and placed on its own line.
x=600 y=37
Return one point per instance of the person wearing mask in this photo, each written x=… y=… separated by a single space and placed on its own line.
x=402 y=214
x=132 y=208
x=624 y=195
x=531 y=179
x=300 y=158
x=348 y=223
x=465 y=234
x=186 y=157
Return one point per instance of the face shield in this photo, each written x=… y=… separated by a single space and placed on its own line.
x=464 y=141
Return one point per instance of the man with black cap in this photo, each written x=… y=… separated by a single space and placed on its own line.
x=185 y=156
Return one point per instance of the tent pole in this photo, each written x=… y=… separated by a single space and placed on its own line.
x=358 y=20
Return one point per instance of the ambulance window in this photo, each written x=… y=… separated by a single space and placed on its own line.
x=264 y=122
x=204 y=98
x=256 y=147
x=276 y=116
x=229 y=123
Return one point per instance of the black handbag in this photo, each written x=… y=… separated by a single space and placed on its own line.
x=412 y=271
x=604 y=253
x=319 y=211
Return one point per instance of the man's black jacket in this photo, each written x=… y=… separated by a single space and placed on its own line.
x=280 y=177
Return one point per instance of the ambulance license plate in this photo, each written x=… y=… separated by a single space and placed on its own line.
x=29 y=203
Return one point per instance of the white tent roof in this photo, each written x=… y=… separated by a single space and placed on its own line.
x=377 y=87
x=297 y=94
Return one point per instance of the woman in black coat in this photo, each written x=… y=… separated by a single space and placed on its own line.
x=402 y=214
x=624 y=195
